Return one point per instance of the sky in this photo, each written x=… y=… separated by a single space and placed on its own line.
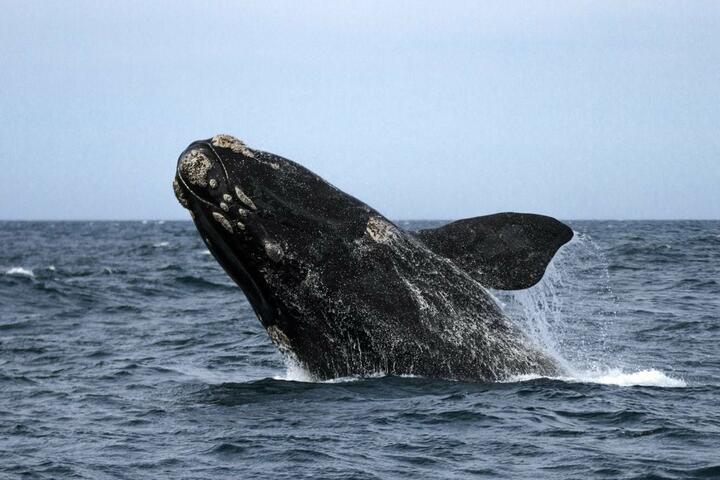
x=424 y=110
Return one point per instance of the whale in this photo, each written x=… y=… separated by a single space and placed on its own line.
x=342 y=291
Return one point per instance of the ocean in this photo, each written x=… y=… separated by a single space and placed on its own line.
x=126 y=353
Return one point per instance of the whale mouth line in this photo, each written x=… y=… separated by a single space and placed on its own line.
x=228 y=253
x=220 y=243
x=219 y=159
x=190 y=190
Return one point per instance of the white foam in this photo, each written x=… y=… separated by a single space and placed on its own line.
x=205 y=252
x=20 y=271
x=645 y=378
x=641 y=378
x=295 y=372
x=161 y=244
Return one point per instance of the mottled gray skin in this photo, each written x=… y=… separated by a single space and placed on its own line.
x=340 y=288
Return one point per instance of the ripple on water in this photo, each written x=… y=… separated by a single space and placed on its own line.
x=158 y=368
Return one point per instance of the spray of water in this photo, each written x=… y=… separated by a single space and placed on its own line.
x=571 y=313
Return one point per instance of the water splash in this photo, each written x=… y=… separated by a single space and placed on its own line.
x=295 y=372
x=578 y=334
x=642 y=378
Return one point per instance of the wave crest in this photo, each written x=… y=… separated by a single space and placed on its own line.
x=641 y=378
x=25 y=272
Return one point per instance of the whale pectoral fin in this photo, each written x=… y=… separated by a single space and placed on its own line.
x=506 y=251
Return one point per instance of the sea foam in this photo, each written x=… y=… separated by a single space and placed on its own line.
x=20 y=271
x=641 y=378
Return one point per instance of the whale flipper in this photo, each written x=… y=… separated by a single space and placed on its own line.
x=505 y=251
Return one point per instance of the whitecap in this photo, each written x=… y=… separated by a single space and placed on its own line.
x=20 y=271
x=356 y=378
x=161 y=244
x=641 y=378
x=645 y=378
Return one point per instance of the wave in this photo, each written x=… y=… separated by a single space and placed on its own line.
x=207 y=375
x=641 y=378
x=200 y=282
x=20 y=271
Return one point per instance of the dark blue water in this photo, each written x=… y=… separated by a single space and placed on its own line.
x=125 y=352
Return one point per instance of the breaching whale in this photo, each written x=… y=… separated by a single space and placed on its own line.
x=343 y=291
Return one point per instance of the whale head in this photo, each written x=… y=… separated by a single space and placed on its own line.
x=270 y=222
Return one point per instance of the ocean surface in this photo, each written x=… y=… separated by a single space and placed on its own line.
x=126 y=352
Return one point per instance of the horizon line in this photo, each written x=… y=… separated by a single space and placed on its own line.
x=608 y=219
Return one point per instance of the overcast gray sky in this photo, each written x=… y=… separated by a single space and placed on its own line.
x=421 y=109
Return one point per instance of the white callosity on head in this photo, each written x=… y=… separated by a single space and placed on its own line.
x=227 y=197
x=224 y=206
x=194 y=167
x=213 y=183
x=222 y=221
x=381 y=230
x=179 y=194
x=234 y=144
x=244 y=198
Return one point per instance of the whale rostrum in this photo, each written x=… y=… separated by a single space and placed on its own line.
x=343 y=291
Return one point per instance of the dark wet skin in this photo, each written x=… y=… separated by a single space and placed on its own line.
x=343 y=291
